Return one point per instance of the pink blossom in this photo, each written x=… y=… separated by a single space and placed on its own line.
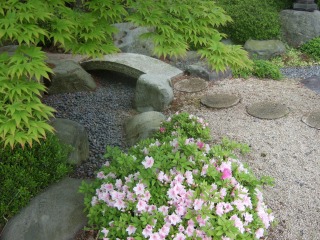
x=225 y=238
x=139 y=189
x=174 y=219
x=105 y=231
x=200 y=144
x=162 y=129
x=131 y=229
x=164 y=231
x=181 y=210
x=220 y=209
x=107 y=164
x=181 y=228
x=259 y=233
x=148 y=162
x=180 y=236
x=189 y=177
x=189 y=231
x=201 y=221
x=248 y=217
x=145 y=151
x=204 y=169
x=142 y=206
x=237 y=223
x=226 y=174
x=101 y=175
x=155 y=236
x=198 y=204
x=163 y=210
x=94 y=201
x=120 y=204
x=223 y=193
x=118 y=183
x=147 y=231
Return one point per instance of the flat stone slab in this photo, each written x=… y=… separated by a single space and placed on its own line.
x=220 y=100
x=191 y=85
x=268 y=110
x=312 y=119
x=312 y=83
x=132 y=64
x=56 y=214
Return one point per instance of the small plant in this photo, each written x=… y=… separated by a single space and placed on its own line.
x=312 y=48
x=293 y=58
x=261 y=69
x=25 y=172
x=176 y=188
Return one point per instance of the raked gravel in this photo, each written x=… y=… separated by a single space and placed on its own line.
x=285 y=149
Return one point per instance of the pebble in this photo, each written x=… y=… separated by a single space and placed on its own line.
x=301 y=72
x=102 y=113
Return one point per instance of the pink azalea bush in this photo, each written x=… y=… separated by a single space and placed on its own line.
x=176 y=187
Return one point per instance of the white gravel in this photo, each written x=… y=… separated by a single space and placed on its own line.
x=286 y=149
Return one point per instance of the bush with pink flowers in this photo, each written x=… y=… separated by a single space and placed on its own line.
x=177 y=187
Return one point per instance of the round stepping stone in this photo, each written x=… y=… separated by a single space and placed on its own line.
x=220 y=100
x=191 y=85
x=312 y=119
x=268 y=110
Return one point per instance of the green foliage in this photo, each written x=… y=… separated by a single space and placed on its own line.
x=130 y=192
x=25 y=172
x=261 y=69
x=312 y=48
x=253 y=19
x=179 y=25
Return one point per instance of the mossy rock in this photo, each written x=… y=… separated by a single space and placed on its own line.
x=268 y=110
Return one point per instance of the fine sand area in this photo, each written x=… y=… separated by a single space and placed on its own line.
x=286 y=148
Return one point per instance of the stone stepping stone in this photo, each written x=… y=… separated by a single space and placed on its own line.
x=191 y=85
x=312 y=83
x=268 y=110
x=220 y=100
x=312 y=119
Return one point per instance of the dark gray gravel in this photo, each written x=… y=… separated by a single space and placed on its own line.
x=301 y=72
x=101 y=112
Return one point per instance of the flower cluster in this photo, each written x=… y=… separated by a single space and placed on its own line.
x=178 y=189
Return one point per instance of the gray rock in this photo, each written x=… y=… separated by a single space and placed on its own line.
x=68 y=77
x=264 y=49
x=74 y=134
x=298 y=27
x=143 y=126
x=129 y=41
x=10 y=49
x=312 y=83
x=153 y=92
x=312 y=119
x=206 y=73
x=132 y=64
x=220 y=100
x=56 y=214
x=268 y=110
x=191 y=85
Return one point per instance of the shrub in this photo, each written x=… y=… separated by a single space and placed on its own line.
x=176 y=189
x=261 y=69
x=293 y=58
x=312 y=48
x=252 y=19
x=25 y=172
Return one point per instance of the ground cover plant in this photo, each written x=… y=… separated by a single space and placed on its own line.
x=261 y=69
x=312 y=48
x=25 y=172
x=175 y=186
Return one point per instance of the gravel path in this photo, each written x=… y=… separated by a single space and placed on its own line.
x=285 y=149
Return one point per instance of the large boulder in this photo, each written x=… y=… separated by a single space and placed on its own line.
x=298 y=27
x=74 y=134
x=264 y=49
x=56 y=214
x=129 y=41
x=153 y=92
x=142 y=126
x=68 y=77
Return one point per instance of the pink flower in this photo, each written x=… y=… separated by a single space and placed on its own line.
x=148 y=162
x=162 y=129
x=139 y=189
x=219 y=209
x=163 y=210
x=101 y=175
x=180 y=236
x=223 y=193
x=147 y=231
x=105 y=231
x=174 y=219
x=198 y=204
x=107 y=164
x=189 y=231
x=259 y=233
x=226 y=174
x=142 y=206
x=155 y=236
x=200 y=144
x=164 y=231
x=131 y=229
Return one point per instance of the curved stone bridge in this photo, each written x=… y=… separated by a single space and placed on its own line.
x=153 y=90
